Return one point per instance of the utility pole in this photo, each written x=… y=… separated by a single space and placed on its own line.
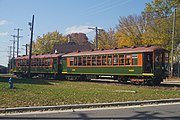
x=31 y=24
x=10 y=52
x=173 y=33
x=13 y=45
x=18 y=29
x=13 y=50
x=26 y=48
x=96 y=40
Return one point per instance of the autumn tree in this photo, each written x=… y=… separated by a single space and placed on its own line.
x=130 y=30
x=45 y=43
x=107 y=40
x=158 y=16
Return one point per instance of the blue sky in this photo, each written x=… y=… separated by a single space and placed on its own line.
x=65 y=16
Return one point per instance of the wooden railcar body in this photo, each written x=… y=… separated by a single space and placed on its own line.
x=134 y=64
x=137 y=64
x=45 y=65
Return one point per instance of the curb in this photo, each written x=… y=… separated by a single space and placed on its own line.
x=77 y=106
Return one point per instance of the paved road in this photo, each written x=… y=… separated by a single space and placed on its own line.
x=158 y=112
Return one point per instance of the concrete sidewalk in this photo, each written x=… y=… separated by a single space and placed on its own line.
x=171 y=82
x=78 y=106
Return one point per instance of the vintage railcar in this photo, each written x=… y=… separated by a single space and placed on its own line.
x=47 y=65
x=148 y=64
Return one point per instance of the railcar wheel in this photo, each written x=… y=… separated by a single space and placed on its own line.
x=157 y=81
x=123 y=80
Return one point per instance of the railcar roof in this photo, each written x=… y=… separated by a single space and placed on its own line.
x=117 y=50
x=54 y=55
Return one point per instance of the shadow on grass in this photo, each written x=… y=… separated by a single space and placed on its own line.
x=29 y=81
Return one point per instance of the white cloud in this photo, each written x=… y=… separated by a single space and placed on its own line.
x=78 y=29
x=3 y=33
x=3 y=22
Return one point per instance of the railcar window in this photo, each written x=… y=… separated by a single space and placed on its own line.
x=121 y=59
x=134 y=59
x=22 y=62
x=79 y=61
x=32 y=63
x=128 y=59
x=109 y=60
x=49 y=60
x=166 y=57
x=43 y=62
x=75 y=61
x=18 y=62
x=84 y=61
x=89 y=61
x=158 y=57
x=98 y=60
x=27 y=62
x=161 y=57
x=104 y=62
x=35 y=62
x=115 y=60
x=40 y=62
x=93 y=61
x=71 y=61
x=167 y=61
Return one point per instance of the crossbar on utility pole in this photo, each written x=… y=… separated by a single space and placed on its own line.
x=30 y=51
x=173 y=33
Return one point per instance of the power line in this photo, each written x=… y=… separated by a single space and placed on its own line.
x=104 y=6
x=111 y=6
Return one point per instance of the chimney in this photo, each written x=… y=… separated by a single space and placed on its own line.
x=55 y=51
x=69 y=38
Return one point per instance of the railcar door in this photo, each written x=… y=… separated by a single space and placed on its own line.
x=148 y=62
x=161 y=64
x=59 y=65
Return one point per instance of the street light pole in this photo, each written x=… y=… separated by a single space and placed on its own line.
x=96 y=41
x=173 y=33
x=31 y=24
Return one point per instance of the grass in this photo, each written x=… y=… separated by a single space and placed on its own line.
x=53 y=92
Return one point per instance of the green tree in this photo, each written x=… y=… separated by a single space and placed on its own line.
x=46 y=43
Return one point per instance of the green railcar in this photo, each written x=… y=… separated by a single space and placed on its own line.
x=135 y=64
x=47 y=65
